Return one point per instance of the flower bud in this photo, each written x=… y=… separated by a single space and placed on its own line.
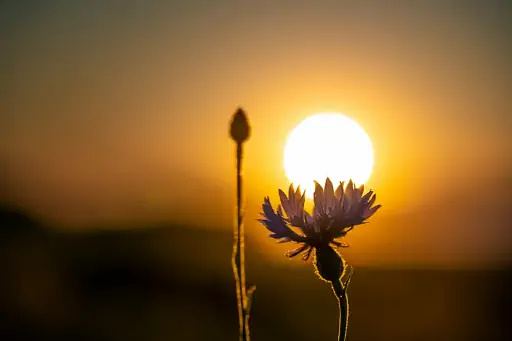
x=240 y=129
x=328 y=264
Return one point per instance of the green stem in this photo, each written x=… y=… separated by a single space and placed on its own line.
x=341 y=293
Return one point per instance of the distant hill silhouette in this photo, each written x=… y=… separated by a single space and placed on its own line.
x=14 y=221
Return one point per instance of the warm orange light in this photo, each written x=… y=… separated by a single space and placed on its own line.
x=327 y=145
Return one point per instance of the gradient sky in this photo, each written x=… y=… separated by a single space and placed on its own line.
x=118 y=111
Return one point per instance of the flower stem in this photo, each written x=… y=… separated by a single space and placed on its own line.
x=340 y=291
x=238 y=261
x=240 y=131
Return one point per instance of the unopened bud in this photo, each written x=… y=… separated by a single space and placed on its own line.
x=328 y=264
x=240 y=129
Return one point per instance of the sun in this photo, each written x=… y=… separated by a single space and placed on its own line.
x=327 y=145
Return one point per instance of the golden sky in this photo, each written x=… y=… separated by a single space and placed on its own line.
x=117 y=112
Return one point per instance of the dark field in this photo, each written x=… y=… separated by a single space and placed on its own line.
x=174 y=283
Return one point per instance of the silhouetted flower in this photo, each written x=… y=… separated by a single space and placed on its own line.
x=240 y=129
x=335 y=213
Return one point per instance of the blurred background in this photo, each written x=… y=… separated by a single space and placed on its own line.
x=117 y=172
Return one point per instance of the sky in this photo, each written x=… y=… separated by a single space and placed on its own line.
x=117 y=112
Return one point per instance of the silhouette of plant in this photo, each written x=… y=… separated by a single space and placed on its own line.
x=240 y=131
x=335 y=213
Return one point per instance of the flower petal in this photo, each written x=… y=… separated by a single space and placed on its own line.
x=372 y=200
x=318 y=198
x=284 y=240
x=364 y=199
x=340 y=198
x=309 y=219
x=348 y=197
x=285 y=203
x=276 y=224
x=329 y=199
x=369 y=212
x=291 y=194
x=339 y=191
x=293 y=206
x=302 y=200
x=296 y=251
x=360 y=190
x=298 y=193
x=307 y=254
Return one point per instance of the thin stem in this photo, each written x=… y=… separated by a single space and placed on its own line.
x=340 y=291
x=238 y=261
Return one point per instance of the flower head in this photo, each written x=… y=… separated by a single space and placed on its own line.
x=240 y=129
x=335 y=213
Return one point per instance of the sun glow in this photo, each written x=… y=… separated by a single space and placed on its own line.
x=327 y=145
